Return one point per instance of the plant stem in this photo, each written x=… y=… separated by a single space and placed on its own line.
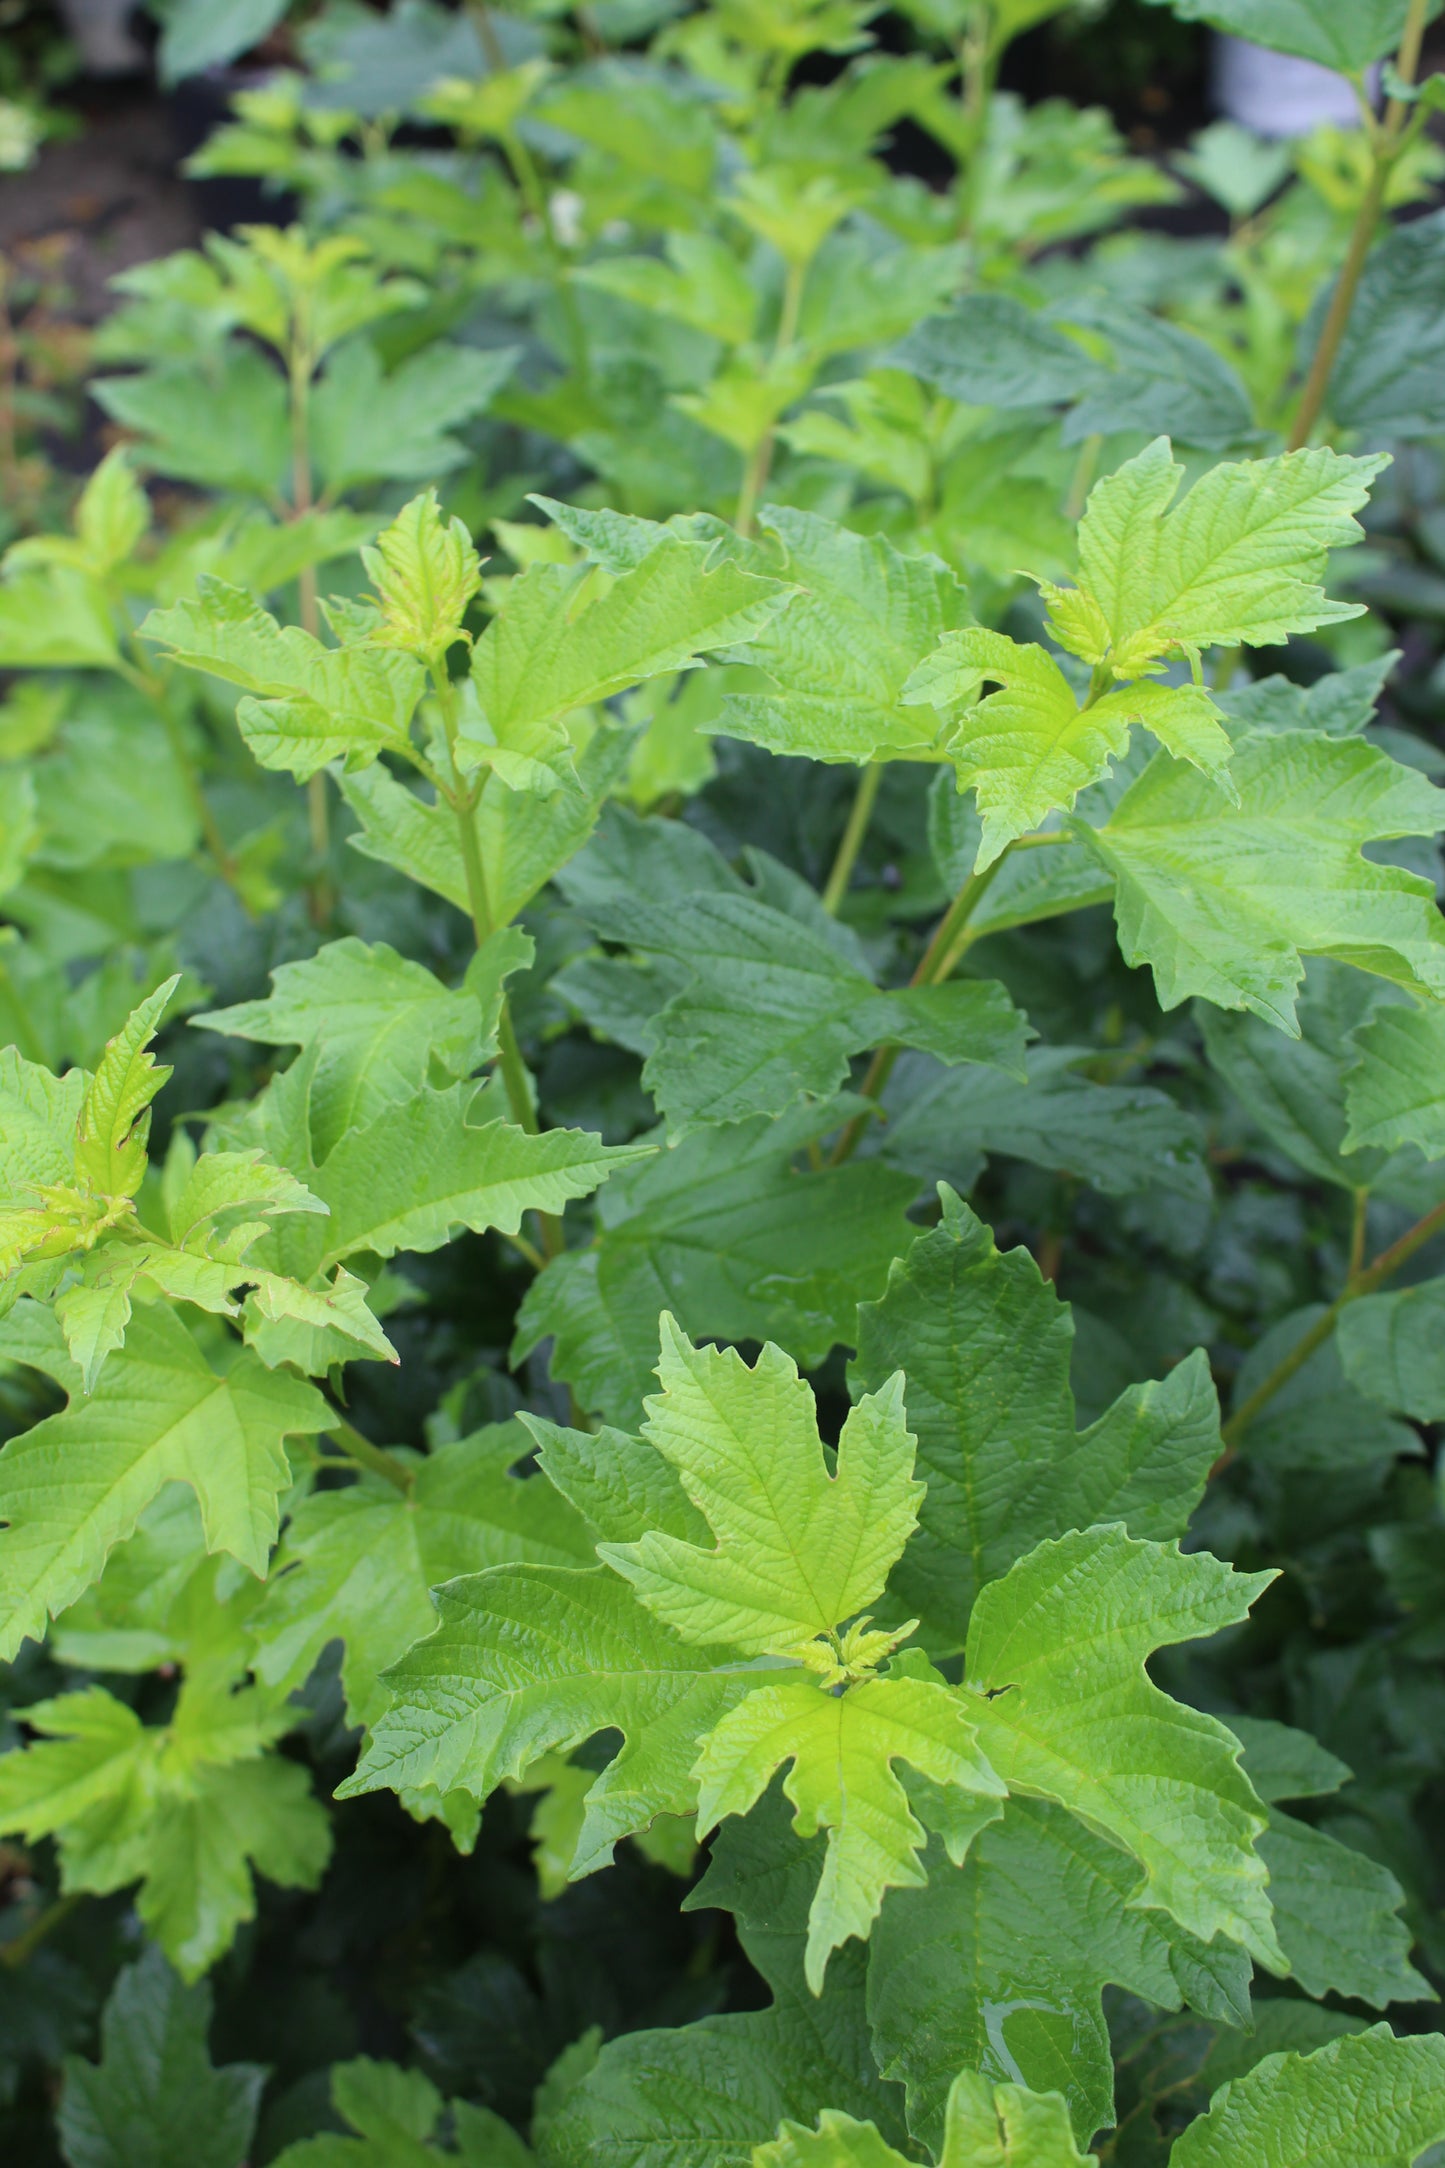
x=760 y=464
x=1365 y=1282
x=1359 y=1227
x=951 y=937
x=863 y=803
x=318 y=810
x=23 y=1946
x=1385 y=149
x=464 y=801
x=374 y=1458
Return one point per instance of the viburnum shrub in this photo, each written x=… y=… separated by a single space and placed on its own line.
x=720 y=886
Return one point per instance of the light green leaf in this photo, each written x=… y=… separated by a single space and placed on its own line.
x=185 y=1808
x=1066 y=1711
x=984 y=1344
x=154 y=2089
x=528 y=1660
x=56 y=619
x=317 y=703
x=114 y=1120
x=839 y=655
x=1024 y=749
x=1395 y=1091
x=418 y=1172
x=1237 y=561
x=1000 y=1966
x=722 y=1231
x=841 y=1749
x=359 y=1565
x=798 y=1550
x=1369 y=2098
x=702 y=283
x=380 y=1020
x=425 y=573
x=1226 y=900
x=38 y=1116
x=78 y=1482
x=551 y=649
x=838 y=2142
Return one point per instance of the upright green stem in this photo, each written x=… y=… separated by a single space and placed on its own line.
x=1374 y=1276
x=301 y=367
x=951 y=937
x=1388 y=142
x=22 y=1947
x=865 y=798
x=465 y=798
x=374 y=1458
x=760 y=464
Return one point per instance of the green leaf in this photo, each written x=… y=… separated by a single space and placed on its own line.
x=173 y=410
x=837 y=658
x=1056 y=1653
x=1317 y=1422
x=37 y=1133
x=395 y=2115
x=187 y=1809
x=359 y=1565
x=371 y=426
x=1225 y=901
x=798 y=1549
x=1336 y=1911
x=1030 y=747
x=1392 y=1349
x=841 y=1751
x=774 y=1003
x=318 y=703
x=1386 y=378
x=1395 y=1089
x=1124 y=1139
x=382 y=1023
x=1236 y=562
x=724 y=1233
x=426 y=572
x=987 y=2126
x=992 y=350
x=703 y=2095
x=984 y=1344
x=420 y=1171
x=551 y=650
x=1384 y=2098
x=58 y=619
x=154 y=2090
x=701 y=283
x=528 y=1660
x=114 y=1121
x=77 y=1483
x=201 y=34
x=1294 y=1090
x=1001 y=1966
x=1344 y=39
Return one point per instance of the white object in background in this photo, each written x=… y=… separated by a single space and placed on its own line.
x=1277 y=95
x=101 y=30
